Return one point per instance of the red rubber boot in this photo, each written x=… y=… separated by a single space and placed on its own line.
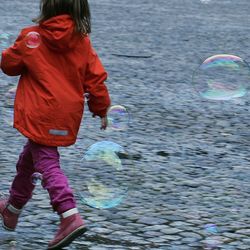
x=70 y=228
x=9 y=215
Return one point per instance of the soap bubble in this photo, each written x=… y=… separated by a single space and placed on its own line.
x=9 y=116
x=211 y=229
x=222 y=77
x=212 y=240
x=33 y=40
x=36 y=178
x=205 y=1
x=5 y=40
x=118 y=118
x=86 y=96
x=9 y=101
x=4 y=195
x=10 y=97
x=105 y=175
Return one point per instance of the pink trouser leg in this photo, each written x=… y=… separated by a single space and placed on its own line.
x=22 y=187
x=45 y=160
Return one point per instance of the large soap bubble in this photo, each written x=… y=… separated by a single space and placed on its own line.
x=105 y=176
x=222 y=77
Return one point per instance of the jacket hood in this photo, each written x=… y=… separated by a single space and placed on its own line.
x=59 y=32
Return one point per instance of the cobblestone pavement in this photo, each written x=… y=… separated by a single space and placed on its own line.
x=191 y=156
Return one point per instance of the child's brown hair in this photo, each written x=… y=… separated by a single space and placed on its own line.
x=78 y=9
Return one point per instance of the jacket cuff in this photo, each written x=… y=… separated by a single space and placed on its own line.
x=102 y=113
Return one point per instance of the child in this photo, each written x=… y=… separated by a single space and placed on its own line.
x=54 y=77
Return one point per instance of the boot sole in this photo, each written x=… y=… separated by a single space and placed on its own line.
x=5 y=227
x=67 y=240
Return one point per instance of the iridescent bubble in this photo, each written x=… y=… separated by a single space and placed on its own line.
x=211 y=229
x=212 y=240
x=36 y=178
x=33 y=40
x=86 y=96
x=9 y=101
x=222 y=77
x=107 y=173
x=205 y=1
x=9 y=116
x=5 y=40
x=118 y=118
x=10 y=97
x=3 y=195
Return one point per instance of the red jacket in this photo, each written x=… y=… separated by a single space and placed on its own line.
x=49 y=100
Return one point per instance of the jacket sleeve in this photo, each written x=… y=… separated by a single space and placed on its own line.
x=95 y=75
x=11 y=61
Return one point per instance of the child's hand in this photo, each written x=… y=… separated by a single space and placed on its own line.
x=104 y=122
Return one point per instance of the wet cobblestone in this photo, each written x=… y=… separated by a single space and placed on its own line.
x=191 y=155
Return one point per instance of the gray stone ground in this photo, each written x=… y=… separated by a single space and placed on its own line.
x=191 y=156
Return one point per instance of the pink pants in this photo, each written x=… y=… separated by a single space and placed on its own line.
x=45 y=160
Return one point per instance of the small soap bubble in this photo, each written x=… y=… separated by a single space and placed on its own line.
x=118 y=118
x=12 y=243
x=211 y=229
x=3 y=195
x=212 y=240
x=205 y=1
x=87 y=97
x=33 y=40
x=36 y=178
x=8 y=108
x=9 y=116
x=107 y=174
x=10 y=97
x=5 y=40
x=222 y=77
